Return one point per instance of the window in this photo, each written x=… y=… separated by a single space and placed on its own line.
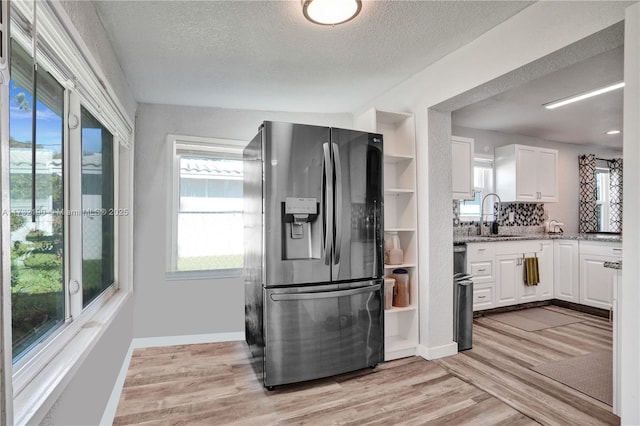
x=602 y=198
x=36 y=194
x=97 y=208
x=66 y=190
x=483 y=185
x=207 y=207
x=43 y=241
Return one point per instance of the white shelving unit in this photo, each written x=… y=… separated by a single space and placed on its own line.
x=400 y=215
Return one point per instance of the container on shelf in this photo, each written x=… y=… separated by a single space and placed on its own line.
x=388 y=245
x=389 y=284
x=396 y=255
x=401 y=296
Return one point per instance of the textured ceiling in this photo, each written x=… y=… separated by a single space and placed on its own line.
x=264 y=55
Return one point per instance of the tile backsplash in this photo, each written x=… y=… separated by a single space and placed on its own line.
x=524 y=214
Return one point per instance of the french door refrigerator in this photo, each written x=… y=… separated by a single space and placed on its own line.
x=313 y=251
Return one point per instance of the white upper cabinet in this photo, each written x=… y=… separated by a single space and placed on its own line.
x=462 y=150
x=526 y=173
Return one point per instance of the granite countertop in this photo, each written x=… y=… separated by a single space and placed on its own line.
x=458 y=239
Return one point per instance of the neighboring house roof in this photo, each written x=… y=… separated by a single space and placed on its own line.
x=20 y=162
x=205 y=167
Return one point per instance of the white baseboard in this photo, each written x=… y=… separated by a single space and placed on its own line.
x=112 y=405
x=150 y=342
x=436 y=352
x=192 y=339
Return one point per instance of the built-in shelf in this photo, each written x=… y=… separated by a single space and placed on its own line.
x=399 y=229
x=394 y=343
x=403 y=265
x=397 y=158
x=396 y=309
x=398 y=191
x=400 y=215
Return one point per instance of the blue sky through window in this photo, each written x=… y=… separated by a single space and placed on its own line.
x=49 y=124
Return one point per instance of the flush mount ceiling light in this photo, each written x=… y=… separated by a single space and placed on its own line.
x=613 y=132
x=581 y=96
x=330 y=12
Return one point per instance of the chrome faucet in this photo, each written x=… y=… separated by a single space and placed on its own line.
x=482 y=214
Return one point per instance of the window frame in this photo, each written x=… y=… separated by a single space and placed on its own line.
x=30 y=387
x=32 y=363
x=195 y=145
x=485 y=162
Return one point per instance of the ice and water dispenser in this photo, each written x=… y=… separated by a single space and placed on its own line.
x=301 y=232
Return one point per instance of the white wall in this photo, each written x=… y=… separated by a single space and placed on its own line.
x=629 y=294
x=566 y=210
x=535 y=32
x=188 y=307
x=85 y=397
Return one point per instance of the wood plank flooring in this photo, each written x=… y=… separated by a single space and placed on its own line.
x=490 y=384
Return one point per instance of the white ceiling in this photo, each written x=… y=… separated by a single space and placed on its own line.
x=264 y=55
x=520 y=111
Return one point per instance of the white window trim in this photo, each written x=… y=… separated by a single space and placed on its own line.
x=30 y=393
x=197 y=144
x=40 y=376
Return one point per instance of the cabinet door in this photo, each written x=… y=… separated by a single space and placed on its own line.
x=462 y=168
x=547 y=175
x=566 y=271
x=528 y=293
x=526 y=173
x=545 y=266
x=507 y=272
x=596 y=281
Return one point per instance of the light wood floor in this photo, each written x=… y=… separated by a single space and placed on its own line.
x=490 y=384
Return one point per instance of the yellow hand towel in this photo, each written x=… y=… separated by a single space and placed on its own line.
x=531 y=273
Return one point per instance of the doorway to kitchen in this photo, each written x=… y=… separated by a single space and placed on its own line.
x=498 y=128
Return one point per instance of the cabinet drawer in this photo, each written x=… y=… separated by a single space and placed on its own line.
x=482 y=271
x=480 y=251
x=482 y=297
x=601 y=248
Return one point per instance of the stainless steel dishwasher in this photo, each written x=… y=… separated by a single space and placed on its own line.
x=462 y=299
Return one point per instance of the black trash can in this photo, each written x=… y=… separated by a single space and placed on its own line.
x=463 y=311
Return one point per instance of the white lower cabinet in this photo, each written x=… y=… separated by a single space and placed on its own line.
x=596 y=281
x=569 y=270
x=508 y=269
x=481 y=265
x=545 y=289
x=510 y=259
x=566 y=271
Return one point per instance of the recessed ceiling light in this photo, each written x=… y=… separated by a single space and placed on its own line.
x=581 y=96
x=330 y=12
x=613 y=132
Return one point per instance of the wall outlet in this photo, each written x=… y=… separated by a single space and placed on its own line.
x=512 y=216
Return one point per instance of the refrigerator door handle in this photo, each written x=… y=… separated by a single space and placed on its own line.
x=337 y=170
x=327 y=198
x=323 y=294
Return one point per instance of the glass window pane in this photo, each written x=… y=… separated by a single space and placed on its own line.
x=210 y=214
x=37 y=242
x=97 y=208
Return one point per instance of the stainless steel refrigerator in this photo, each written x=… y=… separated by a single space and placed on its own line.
x=313 y=251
